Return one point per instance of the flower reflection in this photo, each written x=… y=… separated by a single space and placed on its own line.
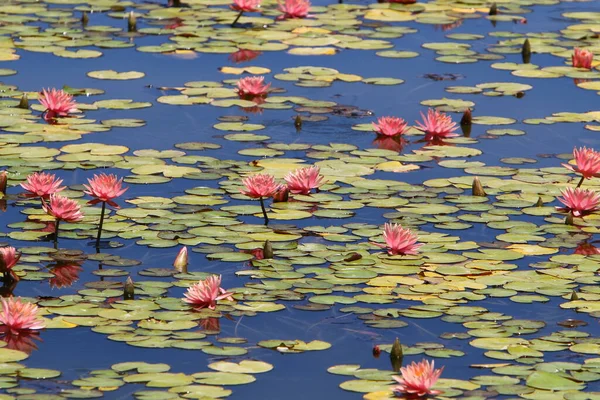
x=255 y=109
x=210 y=324
x=448 y=27
x=243 y=55
x=66 y=273
x=586 y=249
x=24 y=341
x=393 y=143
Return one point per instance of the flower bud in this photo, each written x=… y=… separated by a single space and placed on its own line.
x=477 y=188
x=181 y=261
x=267 y=250
x=467 y=118
x=526 y=51
x=24 y=103
x=3 y=180
x=128 y=292
x=132 y=22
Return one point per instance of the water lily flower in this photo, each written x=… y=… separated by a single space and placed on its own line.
x=245 y=5
x=303 y=180
x=42 y=184
x=252 y=86
x=400 y=240
x=65 y=274
x=8 y=259
x=17 y=315
x=260 y=186
x=294 y=9
x=582 y=58
x=417 y=380
x=243 y=55
x=579 y=202
x=58 y=103
x=62 y=209
x=390 y=126
x=206 y=293
x=104 y=188
x=587 y=163
x=437 y=125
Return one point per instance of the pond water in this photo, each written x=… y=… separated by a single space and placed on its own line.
x=503 y=294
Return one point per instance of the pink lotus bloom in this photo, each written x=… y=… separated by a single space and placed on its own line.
x=19 y=316
x=206 y=293
x=42 y=184
x=579 y=201
x=437 y=125
x=587 y=162
x=243 y=55
x=246 y=5
x=260 y=186
x=399 y=240
x=294 y=9
x=8 y=259
x=587 y=249
x=65 y=274
x=417 y=380
x=582 y=58
x=303 y=180
x=105 y=188
x=58 y=103
x=252 y=86
x=390 y=126
x=63 y=208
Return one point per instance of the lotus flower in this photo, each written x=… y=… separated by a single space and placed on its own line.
x=400 y=240
x=582 y=58
x=252 y=86
x=587 y=163
x=246 y=5
x=42 y=184
x=303 y=180
x=260 y=186
x=437 y=125
x=65 y=274
x=390 y=126
x=58 y=103
x=63 y=209
x=294 y=9
x=19 y=316
x=243 y=55
x=417 y=380
x=578 y=201
x=206 y=293
x=8 y=259
x=105 y=188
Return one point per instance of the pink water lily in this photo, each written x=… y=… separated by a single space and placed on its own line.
x=587 y=162
x=437 y=125
x=17 y=315
x=303 y=180
x=57 y=103
x=294 y=9
x=42 y=184
x=579 y=201
x=206 y=293
x=390 y=126
x=582 y=58
x=417 y=379
x=399 y=240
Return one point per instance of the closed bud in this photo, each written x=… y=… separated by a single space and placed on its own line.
x=569 y=219
x=298 y=122
x=574 y=296
x=132 y=22
x=540 y=202
x=129 y=291
x=267 y=250
x=84 y=18
x=3 y=180
x=181 y=261
x=493 y=9
x=526 y=51
x=477 y=188
x=376 y=351
x=467 y=118
x=396 y=355
x=24 y=102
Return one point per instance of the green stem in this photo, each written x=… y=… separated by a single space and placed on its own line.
x=56 y=233
x=100 y=225
x=262 y=206
x=580 y=182
x=236 y=19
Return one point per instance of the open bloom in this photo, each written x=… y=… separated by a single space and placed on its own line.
x=437 y=125
x=390 y=126
x=8 y=259
x=42 y=184
x=587 y=162
x=246 y=5
x=579 y=201
x=252 y=86
x=105 y=188
x=206 y=293
x=58 y=103
x=294 y=9
x=17 y=315
x=63 y=208
x=400 y=240
x=582 y=58
x=243 y=55
x=259 y=186
x=303 y=180
x=417 y=380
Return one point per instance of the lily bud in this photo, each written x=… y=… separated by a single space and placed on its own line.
x=574 y=296
x=132 y=23
x=526 y=51
x=477 y=188
x=84 y=18
x=181 y=261
x=267 y=250
x=493 y=9
x=467 y=118
x=3 y=180
x=376 y=351
x=298 y=122
x=128 y=292
x=540 y=202
x=24 y=103
x=569 y=219
x=282 y=195
x=396 y=355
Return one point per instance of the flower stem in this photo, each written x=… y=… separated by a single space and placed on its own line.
x=100 y=224
x=262 y=206
x=580 y=182
x=56 y=233
x=236 y=19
